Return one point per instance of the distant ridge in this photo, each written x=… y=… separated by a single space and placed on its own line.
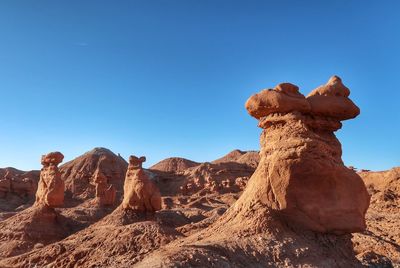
x=174 y=164
x=250 y=158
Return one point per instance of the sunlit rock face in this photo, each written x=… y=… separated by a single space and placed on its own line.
x=105 y=193
x=50 y=190
x=301 y=174
x=140 y=193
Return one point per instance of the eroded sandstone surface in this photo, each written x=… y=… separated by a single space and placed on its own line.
x=50 y=190
x=78 y=173
x=105 y=193
x=301 y=174
x=140 y=193
x=17 y=188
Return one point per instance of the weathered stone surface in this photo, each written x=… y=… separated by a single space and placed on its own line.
x=78 y=173
x=19 y=183
x=331 y=100
x=105 y=193
x=179 y=176
x=5 y=185
x=17 y=188
x=24 y=186
x=50 y=190
x=301 y=174
x=219 y=177
x=283 y=98
x=140 y=193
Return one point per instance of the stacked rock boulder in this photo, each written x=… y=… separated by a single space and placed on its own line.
x=40 y=224
x=140 y=193
x=50 y=190
x=301 y=174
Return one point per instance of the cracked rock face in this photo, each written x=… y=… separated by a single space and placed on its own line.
x=301 y=174
x=140 y=193
x=50 y=190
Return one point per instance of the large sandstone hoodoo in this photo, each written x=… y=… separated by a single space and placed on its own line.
x=301 y=174
x=40 y=224
x=140 y=193
x=50 y=190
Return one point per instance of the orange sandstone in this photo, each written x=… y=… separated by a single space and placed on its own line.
x=50 y=190
x=140 y=193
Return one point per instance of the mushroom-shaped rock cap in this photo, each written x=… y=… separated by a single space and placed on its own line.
x=331 y=100
x=135 y=161
x=283 y=98
x=53 y=158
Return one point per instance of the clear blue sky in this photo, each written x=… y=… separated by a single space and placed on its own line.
x=170 y=78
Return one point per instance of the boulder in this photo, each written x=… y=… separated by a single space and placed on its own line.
x=331 y=100
x=283 y=98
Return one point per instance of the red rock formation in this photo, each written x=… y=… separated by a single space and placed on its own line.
x=17 y=189
x=5 y=185
x=105 y=193
x=331 y=100
x=174 y=164
x=78 y=173
x=298 y=196
x=24 y=186
x=140 y=193
x=19 y=183
x=50 y=190
x=249 y=158
x=180 y=176
x=301 y=174
x=284 y=98
x=216 y=178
